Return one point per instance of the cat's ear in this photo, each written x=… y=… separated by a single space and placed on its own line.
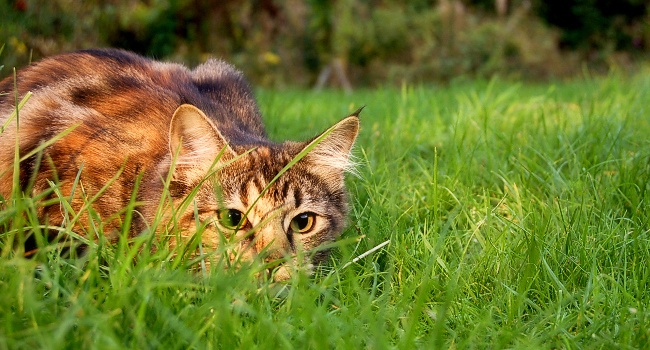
x=330 y=152
x=195 y=143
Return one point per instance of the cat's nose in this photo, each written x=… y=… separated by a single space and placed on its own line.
x=272 y=241
x=284 y=272
x=281 y=274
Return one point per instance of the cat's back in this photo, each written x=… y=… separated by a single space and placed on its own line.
x=94 y=79
x=122 y=86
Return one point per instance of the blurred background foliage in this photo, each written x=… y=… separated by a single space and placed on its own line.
x=374 y=42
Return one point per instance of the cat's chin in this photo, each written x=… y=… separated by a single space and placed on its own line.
x=284 y=272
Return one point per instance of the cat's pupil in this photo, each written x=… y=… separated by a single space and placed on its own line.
x=234 y=217
x=231 y=218
x=303 y=222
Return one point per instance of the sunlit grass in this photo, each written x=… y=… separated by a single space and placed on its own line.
x=517 y=216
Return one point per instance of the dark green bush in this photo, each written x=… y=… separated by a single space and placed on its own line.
x=597 y=23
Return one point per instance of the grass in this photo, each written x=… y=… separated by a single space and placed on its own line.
x=518 y=217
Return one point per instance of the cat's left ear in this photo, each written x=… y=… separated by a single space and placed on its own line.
x=330 y=151
x=195 y=142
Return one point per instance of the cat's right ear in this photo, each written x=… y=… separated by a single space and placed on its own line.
x=195 y=143
x=330 y=152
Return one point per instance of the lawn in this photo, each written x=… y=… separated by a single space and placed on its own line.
x=515 y=216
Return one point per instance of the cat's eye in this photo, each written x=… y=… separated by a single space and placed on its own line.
x=303 y=223
x=232 y=218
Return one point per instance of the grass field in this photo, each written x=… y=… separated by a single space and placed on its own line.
x=517 y=215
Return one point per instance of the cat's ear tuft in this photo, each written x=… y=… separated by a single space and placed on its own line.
x=332 y=150
x=357 y=112
x=195 y=142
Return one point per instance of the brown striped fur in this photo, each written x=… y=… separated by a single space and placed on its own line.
x=132 y=118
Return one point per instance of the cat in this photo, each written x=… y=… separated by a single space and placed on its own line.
x=121 y=123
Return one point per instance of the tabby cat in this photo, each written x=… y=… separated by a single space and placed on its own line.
x=122 y=124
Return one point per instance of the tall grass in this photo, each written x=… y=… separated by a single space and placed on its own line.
x=517 y=216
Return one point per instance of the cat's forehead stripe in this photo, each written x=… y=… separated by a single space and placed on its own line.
x=259 y=183
x=243 y=192
x=286 y=186
x=297 y=198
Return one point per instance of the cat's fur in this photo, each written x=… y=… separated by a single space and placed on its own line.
x=132 y=118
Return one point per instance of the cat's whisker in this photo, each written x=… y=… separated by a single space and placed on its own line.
x=368 y=252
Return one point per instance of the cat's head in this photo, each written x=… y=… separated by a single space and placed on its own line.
x=273 y=202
